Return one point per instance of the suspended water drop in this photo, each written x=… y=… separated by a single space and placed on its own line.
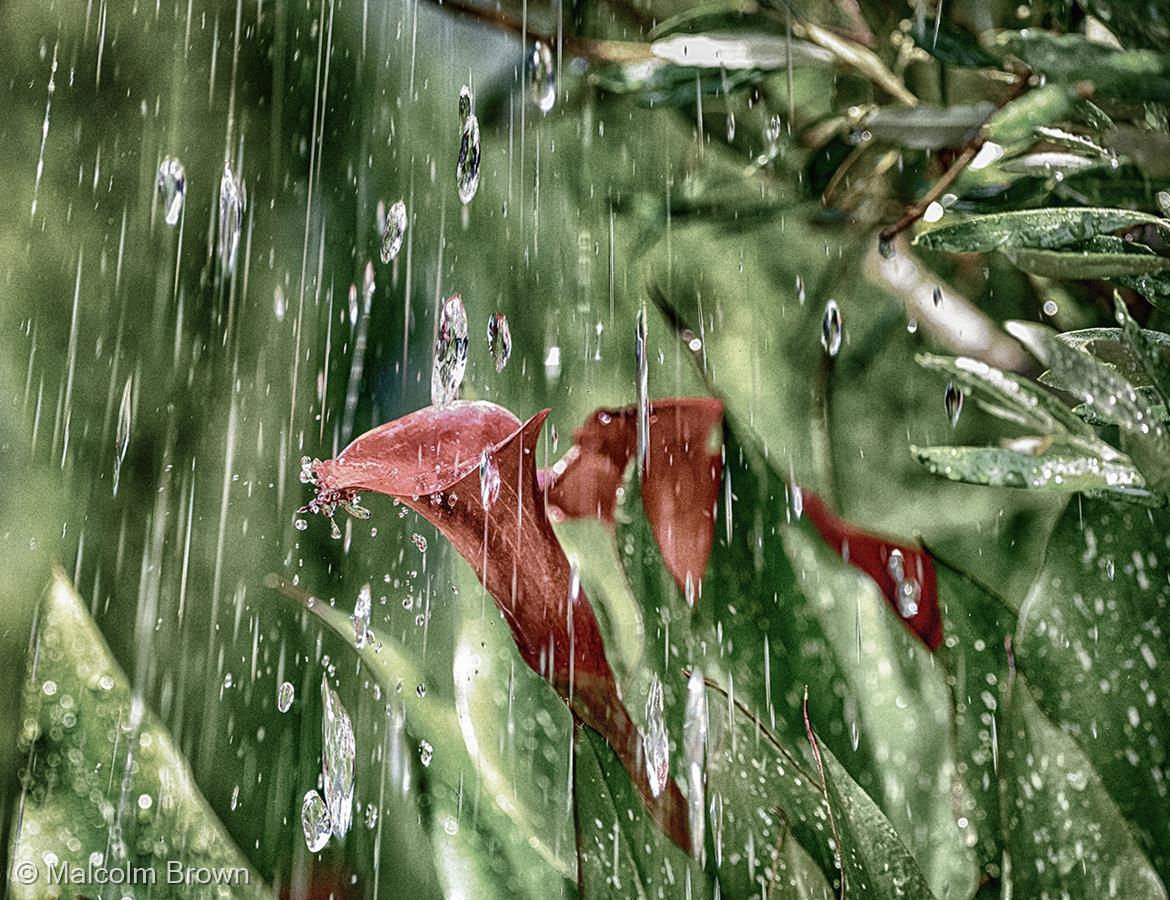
x=643 y=389
x=392 y=229
x=231 y=218
x=279 y=306
x=465 y=102
x=1050 y=308
x=694 y=747
x=772 y=134
x=285 y=695
x=953 y=402
x=352 y=304
x=655 y=744
x=730 y=127
x=361 y=617
x=421 y=691
x=315 y=822
x=172 y=188
x=467 y=167
x=425 y=752
x=907 y=590
x=896 y=566
x=371 y=816
x=337 y=753
x=797 y=496
x=489 y=479
x=542 y=83
x=912 y=325
x=689 y=589
x=831 y=329
x=937 y=295
x=450 y=360
x=122 y=433
x=499 y=338
x=552 y=363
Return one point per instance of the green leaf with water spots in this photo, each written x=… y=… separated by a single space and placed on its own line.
x=1032 y=228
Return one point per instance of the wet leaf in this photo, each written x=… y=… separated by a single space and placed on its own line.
x=1109 y=346
x=679 y=487
x=430 y=460
x=1015 y=122
x=81 y=725
x=620 y=851
x=1091 y=641
x=1032 y=228
x=737 y=50
x=1131 y=75
x=1146 y=348
x=927 y=127
x=1090 y=262
x=950 y=45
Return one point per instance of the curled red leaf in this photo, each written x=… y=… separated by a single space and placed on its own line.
x=904 y=574
x=431 y=461
x=679 y=487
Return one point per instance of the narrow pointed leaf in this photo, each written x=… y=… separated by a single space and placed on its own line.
x=1034 y=228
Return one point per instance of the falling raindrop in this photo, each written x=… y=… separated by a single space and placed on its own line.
x=361 y=617
x=831 y=329
x=953 y=401
x=552 y=364
x=279 y=305
x=371 y=816
x=337 y=753
x=122 y=435
x=285 y=695
x=421 y=691
x=937 y=295
x=489 y=479
x=694 y=747
x=772 y=134
x=450 y=352
x=467 y=167
x=172 y=188
x=465 y=101
x=542 y=83
x=391 y=229
x=730 y=127
x=352 y=303
x=425 y=752
x=315 y=821
x=643 y=389
x=231 y=218
x=907 y=590
x=655 y=744
x=499 y=338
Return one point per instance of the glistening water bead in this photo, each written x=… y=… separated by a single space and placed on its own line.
x=499 y=338
x=450 y=362
x=542 y=83
x=953 y=403
x=831 y=329
x=467 y=166
x=172 y=189
x=391 y=229
x=315 y=822
x=231 y=218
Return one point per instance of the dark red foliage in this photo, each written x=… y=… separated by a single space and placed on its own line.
x=679 y=488
x=430 y=461
x=871 y=554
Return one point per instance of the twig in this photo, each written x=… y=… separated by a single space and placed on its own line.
x=968 y=153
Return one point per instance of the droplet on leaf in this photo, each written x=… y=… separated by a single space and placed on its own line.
x=315 y=822
x=285 y=695
x=361 y=617
x=465 y=102
x=489 y=480
x=655 y=744
x=337 y=753
x=643 y=389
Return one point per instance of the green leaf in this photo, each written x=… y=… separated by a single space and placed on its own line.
x=1098 y=414
x=1108 y=345
x=1091 y=640
x=1086 y=262
x=1131 y=75
x=1147 y=349
x=874 y=861
x=621 y=852
x=1016 y=121
x=950 y=45
x=105 y=784
x=1033 y=228
x=1051 y=164
x=927 y=127
x=1065 y=836
x=735 y=50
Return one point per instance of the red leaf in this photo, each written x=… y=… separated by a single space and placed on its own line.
x=917 y=590
x=430 y=461
x=680 y=485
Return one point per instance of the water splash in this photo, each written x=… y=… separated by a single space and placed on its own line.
x=361 y=617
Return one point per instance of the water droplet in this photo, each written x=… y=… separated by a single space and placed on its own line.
x=231 y=218
x=450 y=352
x=912 y=325
x=552 y=363
x=425 y=752
x=542 y=84
x=831 y=329
x=315 y=822
x=934 y=212
x=279 y=306
x=489 y=479
x=285 y=695
x=465 y=101
x=953 y=402
x=467 y=167
x=499 y=338
x=300 y=524
x=1050 y=308
x=694 y=746
x=643 y=389
x=361 y=617
x=419 y=541
x=122 y=434
x=655 y=745
x=337 y=752
x=730 y=127
x=886 y=248
x=371 y=816
x=392 y=229
x=937 y=295
x=421 y=691
x=908 y=594
x=172 y=188
x=352 y=302
x=772 y=134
